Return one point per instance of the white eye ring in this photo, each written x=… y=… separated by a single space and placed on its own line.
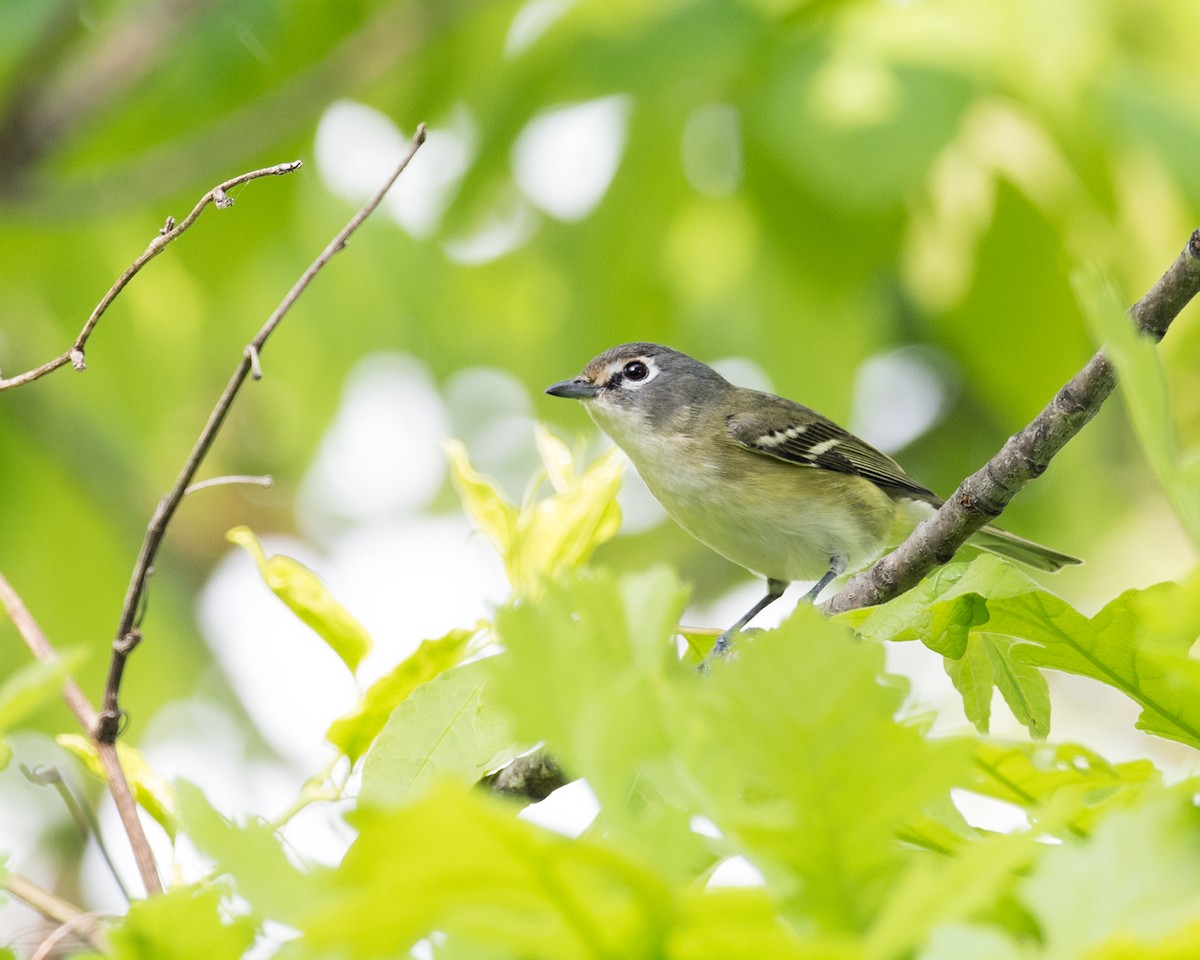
x=635 y=371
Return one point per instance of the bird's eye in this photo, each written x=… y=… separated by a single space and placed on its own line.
x=635 y=370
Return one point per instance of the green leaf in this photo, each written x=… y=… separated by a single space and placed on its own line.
x=1123 y=646
x=308 y=598
x=1023 y=686
x=28 y=688
x=185 y=923
x=1137 y=644
x=462 y=863
x=1085 y=892
x=808 y=769
x=354 y=733
x=552 y=534
x=447 y=729
x=252 y=856
x=958 y=941
x=935 y=611
x=591 y=668
x=151 y=791
x=723 y=923
x=483 y=500
x=974 y=677
x=936 y=889
x=1030 y=775
x=1180 y=944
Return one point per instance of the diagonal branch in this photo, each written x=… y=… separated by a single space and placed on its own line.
x=128 y=635
x=219 y=196
x=85 y=713
x=88 y=927
x=983 y=495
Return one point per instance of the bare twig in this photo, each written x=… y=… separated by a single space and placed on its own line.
x=263 y=481
x=128 y=634
x=983 y=495
x=83 y=815
x=217 y=196
x=118 y=786
x=86 y=926
x=122 y=796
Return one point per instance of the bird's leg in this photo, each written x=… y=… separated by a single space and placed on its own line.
x=775 y=589
x=837 y=566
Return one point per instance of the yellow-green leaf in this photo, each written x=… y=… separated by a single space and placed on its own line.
x=488 y=507
x=152 y=792
x=549 y=534
x=309 y=599
x=354 y=732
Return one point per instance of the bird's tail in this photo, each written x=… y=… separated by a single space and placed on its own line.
x=1006 y=544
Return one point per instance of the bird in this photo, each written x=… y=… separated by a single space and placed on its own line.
x=768 y=483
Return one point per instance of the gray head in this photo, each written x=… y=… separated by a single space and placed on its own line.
x=641 y=382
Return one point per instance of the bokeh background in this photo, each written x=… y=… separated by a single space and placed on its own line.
x=877 y=208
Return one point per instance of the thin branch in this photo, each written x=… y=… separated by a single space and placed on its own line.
x=81 y=813
x=217 y=196
x=118 y=786
x=983 y=495
x=263 y=481
x=128 y=634
x=86 y=926
x=122 y=796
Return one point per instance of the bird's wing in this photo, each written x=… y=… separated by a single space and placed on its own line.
x=795 y=434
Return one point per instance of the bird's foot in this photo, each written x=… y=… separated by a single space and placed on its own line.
x=718 y=651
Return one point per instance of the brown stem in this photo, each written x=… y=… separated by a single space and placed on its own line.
x=983 y=495
x=128 y=634
x=218 y=195
x=85 y=926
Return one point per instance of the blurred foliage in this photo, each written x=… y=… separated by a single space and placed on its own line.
x=805 y=184
x=793 y=755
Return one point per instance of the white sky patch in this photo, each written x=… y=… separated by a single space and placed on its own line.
x=531 y=21
x=357 y=147
x=899 y=395
x=565 y=159
x=736 y=872
x=382 y=455
x=502 y=231
x=288 y=680
x=987 y=813
x=413 y=580
x=492 y=414
x=569 y=810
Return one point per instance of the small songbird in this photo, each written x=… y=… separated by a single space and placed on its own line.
x=766 y=482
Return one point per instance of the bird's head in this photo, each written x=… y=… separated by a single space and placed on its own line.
x=641 y=385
